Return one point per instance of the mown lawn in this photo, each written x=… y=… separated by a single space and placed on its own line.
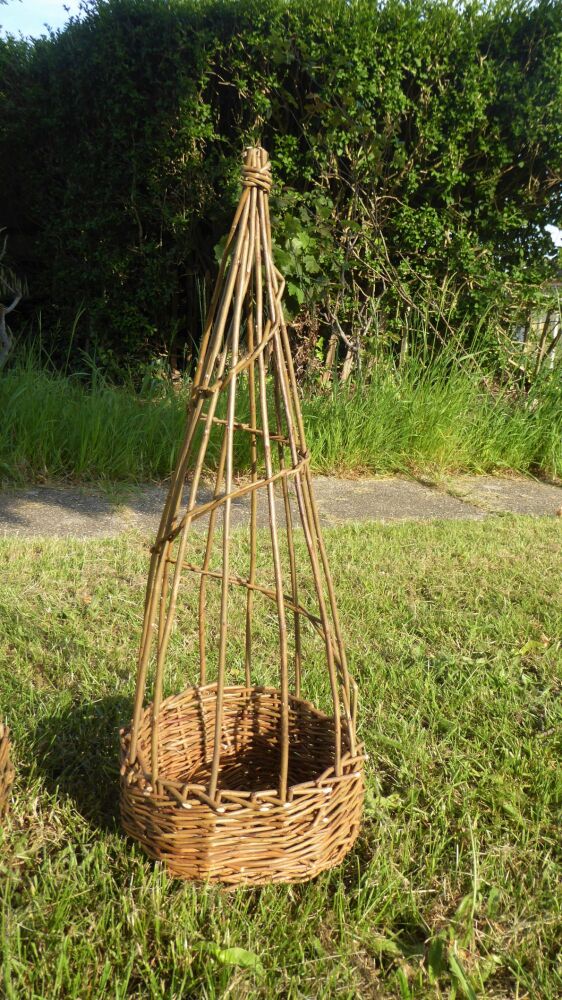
x=453 y=890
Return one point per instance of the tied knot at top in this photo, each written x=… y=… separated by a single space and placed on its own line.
x=258 y=177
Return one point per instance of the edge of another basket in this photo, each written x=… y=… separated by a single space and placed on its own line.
x=6 y=768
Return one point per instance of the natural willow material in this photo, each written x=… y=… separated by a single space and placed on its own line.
x=6 y=769
x=232 y=780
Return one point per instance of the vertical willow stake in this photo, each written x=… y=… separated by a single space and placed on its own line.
x=238 y=779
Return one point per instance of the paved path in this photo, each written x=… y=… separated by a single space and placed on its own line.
x=80 y=513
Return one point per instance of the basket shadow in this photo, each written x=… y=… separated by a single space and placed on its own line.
x=77 y=753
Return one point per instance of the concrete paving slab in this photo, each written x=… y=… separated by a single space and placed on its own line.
x=143 y=511
x=57 y=513
x=513 y=495
x=60 y=512
x=341 y=500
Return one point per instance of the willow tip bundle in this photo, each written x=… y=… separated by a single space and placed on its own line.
x=234 y=780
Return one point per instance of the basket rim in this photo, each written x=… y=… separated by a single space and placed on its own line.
x=182 y=791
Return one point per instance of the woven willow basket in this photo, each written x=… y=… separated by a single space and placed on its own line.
x=6 y=769
x=230 y=781
x=244 y=836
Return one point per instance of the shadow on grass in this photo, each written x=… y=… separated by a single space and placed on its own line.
x=76 y=751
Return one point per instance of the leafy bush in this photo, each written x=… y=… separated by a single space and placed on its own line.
x=417 y=145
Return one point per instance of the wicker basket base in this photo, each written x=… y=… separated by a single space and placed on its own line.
x=6 y=769
x=247 y=835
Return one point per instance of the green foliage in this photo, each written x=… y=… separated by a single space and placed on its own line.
x=417 y=145
x=437 y=414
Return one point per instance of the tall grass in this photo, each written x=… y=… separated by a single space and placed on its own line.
x=437 y=414
x=434 y=414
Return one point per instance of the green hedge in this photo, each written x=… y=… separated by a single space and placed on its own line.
x=418 y=146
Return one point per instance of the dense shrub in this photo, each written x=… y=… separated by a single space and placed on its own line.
x=418 y=145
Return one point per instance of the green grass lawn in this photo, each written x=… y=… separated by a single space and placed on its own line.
x=453 y=890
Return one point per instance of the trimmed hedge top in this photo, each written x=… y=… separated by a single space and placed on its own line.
x=418 y=145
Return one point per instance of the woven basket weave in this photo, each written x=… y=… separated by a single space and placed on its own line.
x=6 y=769
x=229 y=781
x=242 y=836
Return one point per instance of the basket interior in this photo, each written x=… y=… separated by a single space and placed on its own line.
x=250 y=739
